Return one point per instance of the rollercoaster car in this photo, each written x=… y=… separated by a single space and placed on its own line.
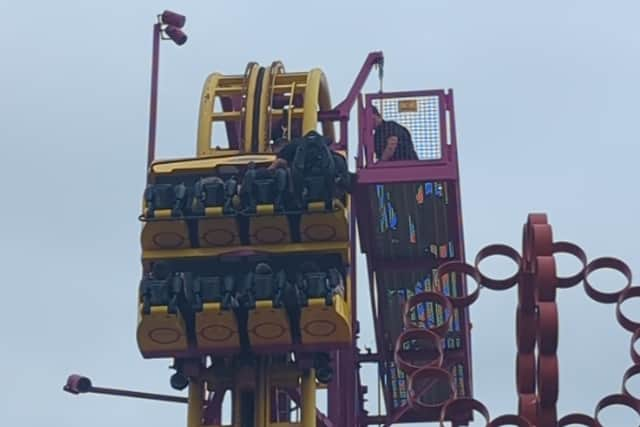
x=238 y=257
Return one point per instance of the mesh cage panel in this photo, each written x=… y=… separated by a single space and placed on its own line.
x=421 y=117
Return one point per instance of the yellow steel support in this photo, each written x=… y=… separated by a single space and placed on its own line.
x=316 y=95
x=196 y=400
x=264 y=106
x=262 y=395
x=218 y=85
x=244 y=379
x=308 y=398
x=253 y=70
x=207 y=102
x=275 y=80
x=276 y=69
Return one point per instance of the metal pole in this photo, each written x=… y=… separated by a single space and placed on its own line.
x=196 y=399
x=262 y=395
x=153 y=107
x=308 y=398
x=137 y=394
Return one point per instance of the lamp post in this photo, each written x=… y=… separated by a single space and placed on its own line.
x=168 y=27
x=77 y=384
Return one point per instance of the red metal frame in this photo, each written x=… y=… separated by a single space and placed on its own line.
x=443 y=169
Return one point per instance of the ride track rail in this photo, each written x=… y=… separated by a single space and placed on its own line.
x=537 y=368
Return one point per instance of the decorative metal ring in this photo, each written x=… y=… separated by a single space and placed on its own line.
x=545 y=279
x=526 y=331
x=629 y=373
x=625 y=322
x=541 y=240
x=585 y=420
x=417 y=334
x=504 y=250
x=547 y=378
x=635 y=355
x=463 y=404
x=547 y=416
x=611 y=263
x=528 y=406
x=537 y=218
x=440 y=330
x=547 y=327
x=510 y=420
x=527 y=294
x=615 y=399
x=526 y=373
x=429 y=373
x=575 y=250
x=461 y=268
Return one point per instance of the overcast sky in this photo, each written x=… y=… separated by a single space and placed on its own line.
x=546 y=102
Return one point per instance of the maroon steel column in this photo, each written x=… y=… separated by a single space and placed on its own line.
x=153 y=107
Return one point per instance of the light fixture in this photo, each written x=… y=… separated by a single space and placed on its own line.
x=174 y=19
x=176 y=34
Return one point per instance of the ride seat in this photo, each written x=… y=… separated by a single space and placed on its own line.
x=317 y=186
x=265 y=200
x=215 y=192
x=164 y=207
x=216 y=322
x=166 y=196
x=214 y=204
x=161 y=327
x=165 y=292
x=204 y=289
x=319 y=225
x=267 y=323
x=314 y=170
x=326 y=324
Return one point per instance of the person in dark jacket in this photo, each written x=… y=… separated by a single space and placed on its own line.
x=392 y=141
x=286 y=152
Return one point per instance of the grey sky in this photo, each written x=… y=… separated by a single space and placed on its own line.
x=546 y=103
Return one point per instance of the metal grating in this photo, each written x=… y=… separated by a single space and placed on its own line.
x=412 y=220
x=421 y=116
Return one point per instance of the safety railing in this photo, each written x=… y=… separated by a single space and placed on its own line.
x=414 y=128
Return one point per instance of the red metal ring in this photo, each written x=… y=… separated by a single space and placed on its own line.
x=547 y=327
x=541 y=240
x=583 y=419
x=526 y=373
x=634 y=370
x=428 y=296
x=406 y=366
x=545 y=278
x=635 y=356
x=460 y=268
x=527 y=294
x=547 y=378
x=547 y=416
x=615 y=399
x=526 y=330
x=526 y=249
x=463 y=404
x=625 y=322
x=575 y=250
x=510 y=420
x=528 y=406
x=504 y=250
x=429 y=372
x=537 y=218
x=614 y=264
